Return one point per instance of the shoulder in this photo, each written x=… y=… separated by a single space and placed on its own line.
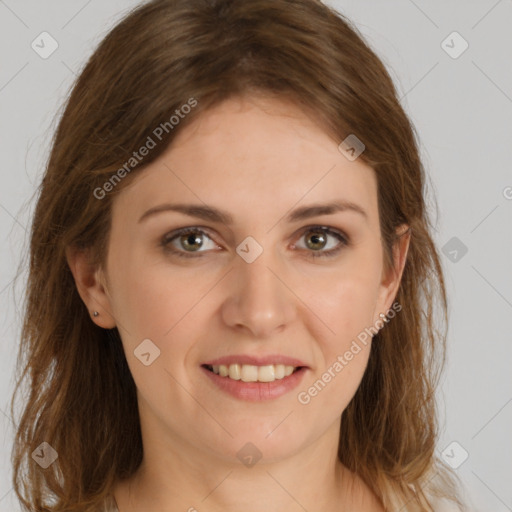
x=444 y=505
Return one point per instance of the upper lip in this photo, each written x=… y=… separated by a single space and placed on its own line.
x=256 y=360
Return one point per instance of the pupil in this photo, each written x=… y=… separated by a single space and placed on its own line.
x=190 y=239
x=318 y=239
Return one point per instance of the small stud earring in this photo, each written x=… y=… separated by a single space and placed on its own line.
x=95 y=313
x=384 y=317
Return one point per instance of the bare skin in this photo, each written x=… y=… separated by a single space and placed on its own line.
x=257 y=159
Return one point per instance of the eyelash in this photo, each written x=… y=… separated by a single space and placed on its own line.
x=343 y=239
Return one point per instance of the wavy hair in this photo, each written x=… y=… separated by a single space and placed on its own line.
x=81 y=397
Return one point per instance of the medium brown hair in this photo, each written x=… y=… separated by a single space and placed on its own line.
x=81 y=395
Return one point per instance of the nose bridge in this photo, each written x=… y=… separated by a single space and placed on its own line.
x=259 y=300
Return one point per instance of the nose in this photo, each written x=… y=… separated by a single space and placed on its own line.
x=259 y=300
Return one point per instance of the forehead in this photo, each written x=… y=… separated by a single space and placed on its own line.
x=249 y=154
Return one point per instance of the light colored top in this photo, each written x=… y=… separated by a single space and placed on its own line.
x=109 y=505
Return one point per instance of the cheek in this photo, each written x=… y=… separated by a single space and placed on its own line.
x=347 y=308
x=172 y=308
x=342 y=359
x=150 y=298
x=344 y=300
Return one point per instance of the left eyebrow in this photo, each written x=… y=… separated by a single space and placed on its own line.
x=216 y=215
x=315 y=210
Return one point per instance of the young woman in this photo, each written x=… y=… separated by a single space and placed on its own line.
x=233 y=288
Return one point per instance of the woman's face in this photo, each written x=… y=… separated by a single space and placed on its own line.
x=253 y=282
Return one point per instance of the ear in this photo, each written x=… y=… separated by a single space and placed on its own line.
x=90 y=283
x=391 y=277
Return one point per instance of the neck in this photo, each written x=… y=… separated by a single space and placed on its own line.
x=177 y=474
x=188 y=481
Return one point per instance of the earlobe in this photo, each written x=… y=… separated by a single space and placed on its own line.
x=90 y=286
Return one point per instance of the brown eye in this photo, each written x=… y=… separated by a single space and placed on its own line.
x=318 y=242
x=187 y=241
x=191 y=241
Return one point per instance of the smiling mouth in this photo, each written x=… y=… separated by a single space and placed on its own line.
x=252 y=373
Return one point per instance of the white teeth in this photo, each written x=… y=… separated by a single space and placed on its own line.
x=252 y=373
x=288 y=370
x=267 y=373
x=249 y=373
x=234 y=371
x=279 y=371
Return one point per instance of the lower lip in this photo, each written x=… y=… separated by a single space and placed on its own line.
x=257 y=391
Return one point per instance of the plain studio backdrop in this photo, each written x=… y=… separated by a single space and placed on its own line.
x=451 y=62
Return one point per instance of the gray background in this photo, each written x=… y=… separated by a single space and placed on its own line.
x=462 y=108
